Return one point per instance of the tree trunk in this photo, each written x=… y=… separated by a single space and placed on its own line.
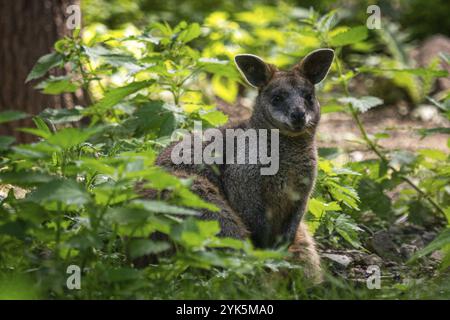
x=28 y=30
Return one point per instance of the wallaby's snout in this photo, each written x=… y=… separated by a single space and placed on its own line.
x=286 y=99
x=298 y=118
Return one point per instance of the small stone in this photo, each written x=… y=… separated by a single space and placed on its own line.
x=402 y=108
x=338 y=258
x=426 y=112
x=437 y=255
x=428 y=236
x=373 y=259
x=407 y=250
x=357 y=156
x=383 y=245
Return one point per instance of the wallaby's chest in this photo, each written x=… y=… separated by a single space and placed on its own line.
x=274 y=198
x=286 y=193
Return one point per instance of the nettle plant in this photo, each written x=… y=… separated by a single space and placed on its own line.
x=71 y=197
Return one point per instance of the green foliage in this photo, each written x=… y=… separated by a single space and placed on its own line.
x=6 y=116
x=350 y=36
x=73 y=196
x=362 y=104
x=44 y=64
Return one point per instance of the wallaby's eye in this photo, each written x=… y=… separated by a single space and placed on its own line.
x=309 y=98
x=276 y=99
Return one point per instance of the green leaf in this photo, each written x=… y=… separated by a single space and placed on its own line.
x=347 y=228
x=423 y=72
x=402 y=158
x=330 y=108
x=329 y=152
x=232 y=243
x=121 y=275
x=351 y=36
x=142 y=247
x=14 y=228
x=327 y=21
x=215 y=118
x=58 y=116
x=35 y=132
x=428 y=132
x=11 y=115
x=195 y=233
x=317 y=207
x=153 y=117
x=343 y=193
x=447 y=215
x=114 y=58
x=44 y=64
x=441 y=241
x=25 y=178
x=444 y=106
x=114 y=96
x=162 y=207
x=434 y=154
x=57 y=85
x=225 y=88
x=362 y=104
x=64 y=191
x=42 y=126
x=84 y=240
x=373 y=197
x=41 y=130
x=420 y=214
x=5 y=142
x=126 y=215
x=219 y=67
x=190 y=33
x=70 y=137
x=190 y=199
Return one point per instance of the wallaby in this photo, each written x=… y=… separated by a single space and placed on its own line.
x=269 y=208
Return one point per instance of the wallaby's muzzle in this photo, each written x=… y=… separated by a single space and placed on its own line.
x=298 y=119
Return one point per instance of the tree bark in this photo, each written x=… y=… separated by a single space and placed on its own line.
x=28 y=30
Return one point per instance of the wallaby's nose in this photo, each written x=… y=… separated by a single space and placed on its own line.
x=298 y=117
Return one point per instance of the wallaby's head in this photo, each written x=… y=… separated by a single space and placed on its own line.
x=286 y=99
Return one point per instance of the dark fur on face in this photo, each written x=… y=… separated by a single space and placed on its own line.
x=286 y=99
x=288 y=103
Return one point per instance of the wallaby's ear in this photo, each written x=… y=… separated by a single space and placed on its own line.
x=316 y=64
x=255 y=71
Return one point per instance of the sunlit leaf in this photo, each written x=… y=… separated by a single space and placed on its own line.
x=114 y=96
x=190 y=33
x=57 y=85
x=350 y=36
x=362 y=104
